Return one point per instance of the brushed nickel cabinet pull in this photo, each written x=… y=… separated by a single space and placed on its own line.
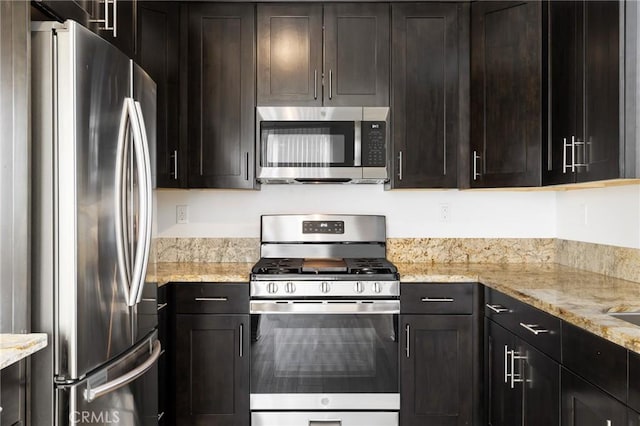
x=498 y=309
x=330 y=83
x=211 y=299
x=532 y=328
x=476 y=157
x=241 y=339
x=436 y=299
x=407 y=329
x=400 y=165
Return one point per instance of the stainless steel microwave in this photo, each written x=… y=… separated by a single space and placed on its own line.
x=317 y=144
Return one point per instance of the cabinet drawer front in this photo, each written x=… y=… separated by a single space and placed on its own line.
x=597 y=360
x=634 y=382
x=538 y=328
x=437 y=298
x=212 y=298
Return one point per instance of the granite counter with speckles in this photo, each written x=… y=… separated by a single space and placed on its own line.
x=14 y=347
x=579 y=297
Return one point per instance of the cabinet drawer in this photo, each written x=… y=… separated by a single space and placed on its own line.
x=538 y=328
x=212 y=298
x=437 y=298
x=597 y=360
x=634 y=382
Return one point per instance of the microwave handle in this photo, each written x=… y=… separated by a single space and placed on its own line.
x=357 y=143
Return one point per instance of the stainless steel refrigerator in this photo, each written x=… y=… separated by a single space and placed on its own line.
x=93 y=133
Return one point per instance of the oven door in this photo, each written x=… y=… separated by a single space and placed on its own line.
x=324 y=355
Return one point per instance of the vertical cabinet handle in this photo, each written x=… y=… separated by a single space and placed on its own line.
x=107 y=25
x=241 y=349
x=609 y=423
x=247 y=164
x=573 y=153
x=565 y=145
x=315 y=84
x=515 y=378
x=506 y=364
x=399 y=165
x=476 y=157
x=330 y=83
x=115 y=19
x=407 y=330
x=175 y=164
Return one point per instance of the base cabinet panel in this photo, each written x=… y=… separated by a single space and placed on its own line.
x=212 y=370
x=436 y=370
x=583 y=404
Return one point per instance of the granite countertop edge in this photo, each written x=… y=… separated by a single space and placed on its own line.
x=15 y=347
x=576 y=296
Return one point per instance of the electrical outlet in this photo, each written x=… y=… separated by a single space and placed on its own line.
x=445 y=212
x=182 y=214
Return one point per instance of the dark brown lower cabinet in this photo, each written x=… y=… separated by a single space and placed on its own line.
x=437 y=370
x=212 y=370
x=583 y=404
x=523 y=383
x=634 y=418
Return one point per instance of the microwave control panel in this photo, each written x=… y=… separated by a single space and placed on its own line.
x=374 y=146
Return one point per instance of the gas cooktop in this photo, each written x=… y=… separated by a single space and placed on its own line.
x=348 y=266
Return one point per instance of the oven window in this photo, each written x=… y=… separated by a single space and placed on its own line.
x=307 y=144
x=307 y=353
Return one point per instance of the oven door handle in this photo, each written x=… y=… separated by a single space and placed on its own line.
x=324 y=307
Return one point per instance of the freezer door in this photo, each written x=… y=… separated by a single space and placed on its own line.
x=106 y=397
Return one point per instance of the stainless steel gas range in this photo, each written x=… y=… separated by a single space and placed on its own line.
x=324 y=323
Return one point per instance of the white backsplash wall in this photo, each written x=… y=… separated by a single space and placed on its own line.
x=410 y=213
x=608 y=216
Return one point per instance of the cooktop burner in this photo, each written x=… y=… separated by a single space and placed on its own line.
x=280 y=266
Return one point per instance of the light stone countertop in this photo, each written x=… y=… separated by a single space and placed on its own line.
x=579 y=297
x=14 y=347
x=166 y=272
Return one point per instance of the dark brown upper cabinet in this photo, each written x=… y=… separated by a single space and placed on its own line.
x=353 y=38
x=115 y=21
x=506 y=94
x=158 y=53
x=424 y=98
x=221 y=95
x=584 y=132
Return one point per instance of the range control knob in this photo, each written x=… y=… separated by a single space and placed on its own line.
x=359 y=287
x=324 y=287
x=272 y=288
x=290 y=287
x=377 y=287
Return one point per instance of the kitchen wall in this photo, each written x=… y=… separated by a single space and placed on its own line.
x=608 y=215
x=410 y=213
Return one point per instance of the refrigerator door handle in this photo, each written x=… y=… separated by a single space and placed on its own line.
x=91 y=394
x=122 y=248
x=144 y=238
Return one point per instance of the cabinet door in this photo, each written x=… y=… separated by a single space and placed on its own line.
x=290 y=54
x=121 y=15
x=583 y=404
x=541 y=383
x=504 y=399
x=425 y=95
x=506 y=113
x=158 y=53
x=602 y=88
x=165 y=403
x=212 y=370
x=80 y=11
x=356 y=49
x=437 y=370
x=566 y=78
x=221 y=95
